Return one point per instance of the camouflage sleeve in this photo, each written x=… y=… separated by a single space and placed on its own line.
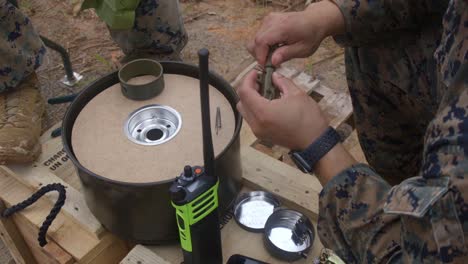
x=424 y=219
x=433 y=208
x=371 y=22
x=351 y=219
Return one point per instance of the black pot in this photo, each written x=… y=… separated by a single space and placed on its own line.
x=142 y=212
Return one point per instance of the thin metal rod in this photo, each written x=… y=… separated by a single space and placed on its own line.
x=208 y=153
x=65 y=57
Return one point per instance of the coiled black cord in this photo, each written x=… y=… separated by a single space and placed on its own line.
x=53 y=213
x=226 y=217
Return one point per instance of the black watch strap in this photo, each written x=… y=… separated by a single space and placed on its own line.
x=306 y=160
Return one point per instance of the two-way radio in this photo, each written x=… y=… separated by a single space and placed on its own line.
x=194 y=193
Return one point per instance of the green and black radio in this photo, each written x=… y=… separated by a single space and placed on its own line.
x=194 y=193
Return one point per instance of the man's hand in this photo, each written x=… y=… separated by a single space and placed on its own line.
x=293 y=121
x=300 y=33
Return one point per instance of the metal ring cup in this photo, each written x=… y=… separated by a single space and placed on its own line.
x=137 y=68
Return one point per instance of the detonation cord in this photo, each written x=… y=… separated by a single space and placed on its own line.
x=53 y=213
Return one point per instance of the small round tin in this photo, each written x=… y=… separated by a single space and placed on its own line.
x=252 y=210
x=288 y=235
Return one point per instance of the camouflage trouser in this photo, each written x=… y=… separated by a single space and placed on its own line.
x=394 y=94
x=21 y=49
x=158 y=29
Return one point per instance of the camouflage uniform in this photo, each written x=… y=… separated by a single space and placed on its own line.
x=21 y=49
x=392 y=77
x=412 y=118
x=158 y=29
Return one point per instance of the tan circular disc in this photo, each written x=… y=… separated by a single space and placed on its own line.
x=101 y=145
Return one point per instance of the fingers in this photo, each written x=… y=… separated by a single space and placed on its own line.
x=246 y=114
x=285 y=85
x=248 y=92
x=252 y=106
x=250 y=81
x=287 y=52
x=270 y=33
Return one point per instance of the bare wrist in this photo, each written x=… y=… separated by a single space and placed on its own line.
x=334 y=162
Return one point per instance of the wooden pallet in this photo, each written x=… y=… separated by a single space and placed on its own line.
x=75 y=235
x=268 y=168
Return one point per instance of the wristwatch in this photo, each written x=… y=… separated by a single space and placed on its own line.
x=305 y=160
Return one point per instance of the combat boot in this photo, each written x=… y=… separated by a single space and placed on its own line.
x=21 y=113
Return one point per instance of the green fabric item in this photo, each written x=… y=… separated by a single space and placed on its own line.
x=118 y=14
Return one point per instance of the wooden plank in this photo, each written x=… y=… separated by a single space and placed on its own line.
x=75 y=207
x=143 y=255
x=56 y=160
x=58 y=254
x=54 y=166
x=242 y=74
x=306 y=82
x=111 y=250
x=267 y=150
x=50 y=253
x=233 y=75
x=296 y=189
x=287 y=72
x=12 y=238
x=247 y=137
x=354 y=147
x=336 y=105
x=65 y=232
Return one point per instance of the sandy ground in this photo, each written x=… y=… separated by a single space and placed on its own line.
x=222 y=26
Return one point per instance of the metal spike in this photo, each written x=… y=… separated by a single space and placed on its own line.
x=218 y=124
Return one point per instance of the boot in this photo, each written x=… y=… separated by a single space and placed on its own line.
x=21 y=112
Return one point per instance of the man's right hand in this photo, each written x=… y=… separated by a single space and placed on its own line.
x=300 y=33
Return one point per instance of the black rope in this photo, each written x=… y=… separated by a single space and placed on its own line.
x=53 y=213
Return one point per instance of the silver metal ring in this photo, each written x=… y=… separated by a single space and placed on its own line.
x=153 y=125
